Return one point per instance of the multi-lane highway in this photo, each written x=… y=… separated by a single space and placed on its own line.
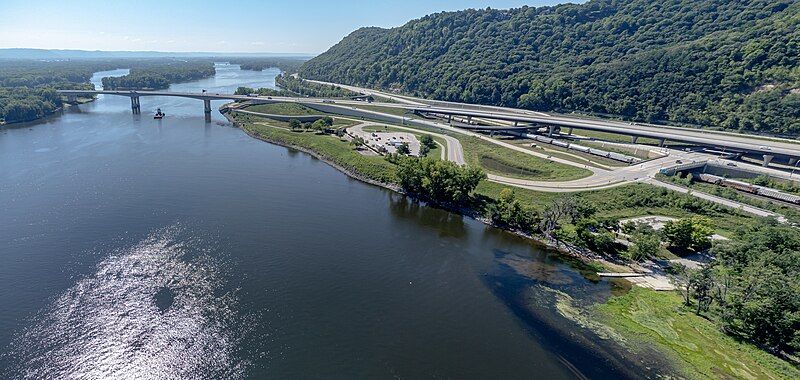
x=787 y=150
x=784 y=148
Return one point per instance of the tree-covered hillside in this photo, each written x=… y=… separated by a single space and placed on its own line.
x=719 y=64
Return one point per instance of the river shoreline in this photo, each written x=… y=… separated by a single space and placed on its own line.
x=587 y=259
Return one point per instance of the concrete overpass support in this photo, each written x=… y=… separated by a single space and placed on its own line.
x=569 y=131
x=72 y=99
x=550 y=130
x=767 y=159
x=661 y=142
x=449 y=119
x=792 y=161
x=207 y=109
x=634 y=139
x=135 y=105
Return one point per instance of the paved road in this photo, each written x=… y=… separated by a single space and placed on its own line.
x=702 y=137
x=731 y=140
x=600 y=178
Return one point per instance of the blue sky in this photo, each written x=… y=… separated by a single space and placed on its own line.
x=218 y=26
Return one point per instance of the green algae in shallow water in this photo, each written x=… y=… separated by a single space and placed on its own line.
x=694 y=343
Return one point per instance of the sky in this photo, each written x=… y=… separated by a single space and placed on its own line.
x=241 y=26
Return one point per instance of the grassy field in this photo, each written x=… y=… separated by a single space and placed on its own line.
x=693 y=342
x=641 y=153
x=503 y=161
x=612 y=137
x=283 y=109
x=389 y=110
x=329 y=147
x=567 y=154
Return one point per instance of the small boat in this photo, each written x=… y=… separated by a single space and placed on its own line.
x=159 y=114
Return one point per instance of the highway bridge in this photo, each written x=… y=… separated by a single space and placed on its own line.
x=787 y=151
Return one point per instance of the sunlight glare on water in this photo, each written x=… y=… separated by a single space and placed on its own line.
x=109 y=325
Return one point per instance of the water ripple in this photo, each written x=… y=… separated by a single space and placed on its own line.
x=159 y=309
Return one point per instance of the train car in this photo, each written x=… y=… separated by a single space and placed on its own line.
x=560 y=143
x=775 y=194
x=598 y=152
x=739 y=185
x=543 y=139
x=622 y=157
x=579 y=148
x=710 y=178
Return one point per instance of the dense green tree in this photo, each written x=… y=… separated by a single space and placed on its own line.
x=645 y=243
x=690 y=233
x=439 y=181
x=507 y=211
x=403 y=149
x=758 y=277
x=717 y=64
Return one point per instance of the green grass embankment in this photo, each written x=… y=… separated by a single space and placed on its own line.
x=503 y=161
x=694 y=343
x=326 y=147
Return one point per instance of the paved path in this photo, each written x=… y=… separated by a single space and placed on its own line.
x=600 y=179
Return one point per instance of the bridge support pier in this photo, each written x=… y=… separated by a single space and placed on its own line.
x=550 y=130
x=792 y=161
x=661 y=142
x=634 y=139
x=207 y=109
x=135 y=106
x=72 y=99
x=449 y=119
x=767 y=159
x=469 y=119
x=569 y=131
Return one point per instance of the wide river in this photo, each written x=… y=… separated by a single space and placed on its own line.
x=138 y=248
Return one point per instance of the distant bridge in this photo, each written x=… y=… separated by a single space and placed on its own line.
x=135 y=95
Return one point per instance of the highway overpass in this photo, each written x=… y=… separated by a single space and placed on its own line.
x=768 y=148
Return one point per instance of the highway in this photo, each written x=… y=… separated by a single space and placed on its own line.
x=736 y=141
x=600 y=178
x=725 y=140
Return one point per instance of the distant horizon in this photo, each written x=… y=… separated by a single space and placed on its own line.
x=76 y=53
x=182 y=26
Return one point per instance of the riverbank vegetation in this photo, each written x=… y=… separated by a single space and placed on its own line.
x=303 y=87
x=291 y=86
x=27 y=87
x=729 y=65
x=159 y=75
x=696 y=344
x=288 y=65
x=735 y=297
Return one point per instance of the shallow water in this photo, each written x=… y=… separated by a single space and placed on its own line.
x=138 y=248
